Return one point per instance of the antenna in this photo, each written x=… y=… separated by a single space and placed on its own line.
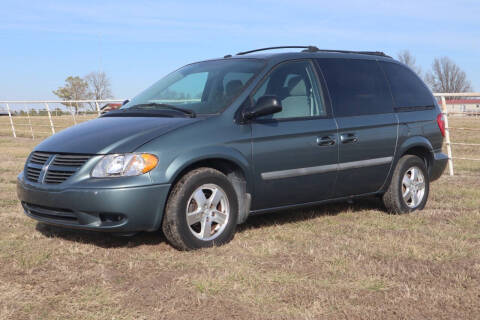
x=100 y=52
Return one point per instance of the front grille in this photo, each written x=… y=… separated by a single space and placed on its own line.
x=53 y=168
x=39 y=158
x=70 y=160
x=57 y=176
x=33 y=174
x=50 y=213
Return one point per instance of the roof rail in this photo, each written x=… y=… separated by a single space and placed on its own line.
x=315 y=49
x=372 y=53
x=307 y=49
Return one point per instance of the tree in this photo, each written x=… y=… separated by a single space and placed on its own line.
x=75 y=89
x=446 y=76
x=407 y=58
x=99 y=87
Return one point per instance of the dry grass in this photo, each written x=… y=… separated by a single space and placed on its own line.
x=336 y=261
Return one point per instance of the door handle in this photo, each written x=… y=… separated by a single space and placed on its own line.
x=348 y=138
x=325 y=141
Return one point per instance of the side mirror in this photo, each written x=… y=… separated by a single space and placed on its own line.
x=125 y=102
x=265 y=105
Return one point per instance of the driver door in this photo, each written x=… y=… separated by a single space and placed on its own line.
x=295 y=151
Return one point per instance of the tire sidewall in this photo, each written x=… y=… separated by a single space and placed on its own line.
x=193 y=183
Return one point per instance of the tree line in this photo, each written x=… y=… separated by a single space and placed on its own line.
x=445 y=75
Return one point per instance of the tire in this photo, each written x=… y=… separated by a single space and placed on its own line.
x=400 y=196
x=186 y=199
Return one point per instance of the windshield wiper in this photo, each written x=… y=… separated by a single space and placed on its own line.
x=144 y=106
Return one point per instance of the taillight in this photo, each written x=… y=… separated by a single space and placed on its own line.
x=441 y=123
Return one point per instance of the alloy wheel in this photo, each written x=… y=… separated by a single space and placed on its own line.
x=208 y=212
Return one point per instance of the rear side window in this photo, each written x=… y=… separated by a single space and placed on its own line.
x=407 y=89
x=357 y=87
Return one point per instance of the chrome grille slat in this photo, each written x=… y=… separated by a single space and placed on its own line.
x=33 y=174
x=70 y=160
x=62 y=167
x=55 y=174
x=74 y=164
x=39 y=158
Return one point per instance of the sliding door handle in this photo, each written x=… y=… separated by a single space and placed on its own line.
x=348 y=138
x=326 y=141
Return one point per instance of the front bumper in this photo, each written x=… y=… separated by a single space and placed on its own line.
x=127 y=209
x=439 y=164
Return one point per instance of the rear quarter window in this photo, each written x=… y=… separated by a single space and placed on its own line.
x=407 y=89
x=357 y=87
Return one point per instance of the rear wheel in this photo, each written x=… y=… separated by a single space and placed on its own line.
x=408 y=190
x=201 y=211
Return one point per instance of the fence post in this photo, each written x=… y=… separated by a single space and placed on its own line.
x=73 y=114
x=98 y=107
x=50 y=118
x=447 y=136
x=11 y=121
x=30 y=122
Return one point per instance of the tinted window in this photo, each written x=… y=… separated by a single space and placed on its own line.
x=357 y=87
x=407 y=89
x=295 y=85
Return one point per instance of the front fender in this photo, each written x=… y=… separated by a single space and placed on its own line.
x=190 y=157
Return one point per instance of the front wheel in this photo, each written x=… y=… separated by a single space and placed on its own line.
x=201 y=211
x=408 y=190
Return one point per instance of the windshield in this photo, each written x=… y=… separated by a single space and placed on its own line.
x=203 y=87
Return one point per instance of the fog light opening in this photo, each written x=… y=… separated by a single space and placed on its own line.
x=111 y=217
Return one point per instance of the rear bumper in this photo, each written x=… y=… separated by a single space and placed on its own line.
x=100 y=209
x=440 y=161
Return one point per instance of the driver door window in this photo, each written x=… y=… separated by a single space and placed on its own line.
x=295 y=85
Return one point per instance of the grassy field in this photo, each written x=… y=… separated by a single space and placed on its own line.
x=346 y=261
x=40 y=125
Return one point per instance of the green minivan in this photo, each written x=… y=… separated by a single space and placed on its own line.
x=216 y=141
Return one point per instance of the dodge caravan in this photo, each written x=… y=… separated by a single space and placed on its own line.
x=216 y=141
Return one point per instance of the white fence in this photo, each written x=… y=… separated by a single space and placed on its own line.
x=447 y=102
x=38 y=119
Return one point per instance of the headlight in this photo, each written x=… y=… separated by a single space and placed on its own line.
x=121 y=165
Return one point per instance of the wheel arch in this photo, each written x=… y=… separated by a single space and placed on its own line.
x=420 y=147
x=416 y=145
x=226 y=160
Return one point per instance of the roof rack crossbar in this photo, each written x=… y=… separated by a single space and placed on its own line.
x=315 y=49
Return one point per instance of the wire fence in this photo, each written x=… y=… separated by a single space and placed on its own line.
x=463 y=110
x=39 y=119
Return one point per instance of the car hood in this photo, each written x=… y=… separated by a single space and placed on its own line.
x=111 y=134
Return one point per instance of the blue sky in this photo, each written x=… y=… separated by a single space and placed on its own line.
x=137 y=42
